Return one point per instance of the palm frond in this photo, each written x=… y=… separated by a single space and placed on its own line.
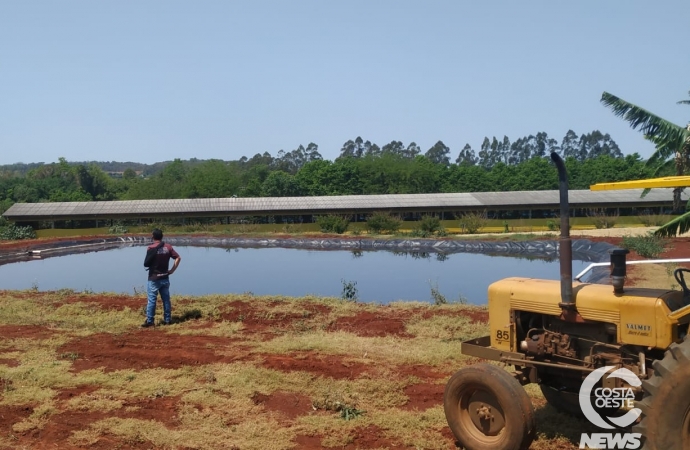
x=660 y=156
x=665 y=169
x=648 y=123
x=679 y=225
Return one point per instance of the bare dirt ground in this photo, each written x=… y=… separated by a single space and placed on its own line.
x=244 y=372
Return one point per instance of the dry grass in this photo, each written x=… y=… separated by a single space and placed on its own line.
x=235 y=372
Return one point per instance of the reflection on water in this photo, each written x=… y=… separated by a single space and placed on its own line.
x=380 y=276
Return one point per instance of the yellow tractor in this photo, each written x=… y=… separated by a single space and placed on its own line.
x=572 y=338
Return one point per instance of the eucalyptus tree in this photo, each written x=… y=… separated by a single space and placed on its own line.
x=466 y=156
x=439 y=153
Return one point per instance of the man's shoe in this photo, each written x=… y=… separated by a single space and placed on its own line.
x=146 y=324
x=167 y=323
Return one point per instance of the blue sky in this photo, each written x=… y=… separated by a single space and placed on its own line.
x=156 y=80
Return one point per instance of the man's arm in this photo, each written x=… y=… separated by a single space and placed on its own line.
x=175 y=264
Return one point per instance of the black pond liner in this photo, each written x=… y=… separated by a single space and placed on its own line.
x=582 y=249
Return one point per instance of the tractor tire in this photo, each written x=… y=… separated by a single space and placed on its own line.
x=487 y=409
x=665 y=404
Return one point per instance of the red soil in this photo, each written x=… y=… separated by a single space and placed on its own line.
x=145 y=349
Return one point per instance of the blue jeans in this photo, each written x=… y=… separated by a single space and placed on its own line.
x=153 y=288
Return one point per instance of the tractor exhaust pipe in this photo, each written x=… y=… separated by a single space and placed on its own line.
x=618 y=269
x=565 y=245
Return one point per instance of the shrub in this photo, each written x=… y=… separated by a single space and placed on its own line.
x=654 y=220
x=196 y=227
x=601 y=219
x=14 y=232
x=647 y=246
x=553 y=225
x=430 y=224
x=436 y=296
x=333 y=223
x=380 y=223
x=117 y=228
x=472 y=222
x=418 y=232
x=350 y=292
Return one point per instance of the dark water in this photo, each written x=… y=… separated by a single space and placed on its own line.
x=380 y=276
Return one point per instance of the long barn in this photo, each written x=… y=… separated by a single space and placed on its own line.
x=525 y=203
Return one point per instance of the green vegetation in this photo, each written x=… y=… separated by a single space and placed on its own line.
x=350 y=291
x=672 y=155
x=14 y=232
x=429 y=226
x=361 y=168
x=472 y=222
x=383 y=223
x=333 y=223
x=602 y=219
x=117 y=229
x=647 y=246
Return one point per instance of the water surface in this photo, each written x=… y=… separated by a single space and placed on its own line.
x=380 y=276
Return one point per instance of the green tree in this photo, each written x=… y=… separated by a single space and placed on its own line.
x=671 y=141
x=280 y=184
x=129 y=174
x=211 y=179
x=466 y=156
x=569 y=145
x=439 y=153
x=314 y=179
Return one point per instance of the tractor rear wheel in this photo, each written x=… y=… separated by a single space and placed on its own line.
x=487 y=409
x=665 y=405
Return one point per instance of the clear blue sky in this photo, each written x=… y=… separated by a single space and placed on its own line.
x=149 y=81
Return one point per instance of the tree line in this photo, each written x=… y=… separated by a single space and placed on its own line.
x=361 y=168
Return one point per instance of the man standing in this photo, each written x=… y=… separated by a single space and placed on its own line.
x=158 y=278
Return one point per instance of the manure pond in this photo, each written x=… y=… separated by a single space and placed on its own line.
x=378 y=276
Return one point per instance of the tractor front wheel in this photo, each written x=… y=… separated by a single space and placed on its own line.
x=487 y=409
x=665 y=405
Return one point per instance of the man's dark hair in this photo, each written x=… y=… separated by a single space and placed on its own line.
x=157 y=234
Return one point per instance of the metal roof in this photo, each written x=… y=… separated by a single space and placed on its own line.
x=335 y=204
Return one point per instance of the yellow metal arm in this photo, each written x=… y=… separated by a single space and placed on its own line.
x=665 y=182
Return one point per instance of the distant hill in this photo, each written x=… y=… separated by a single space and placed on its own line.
x=111 y=167
x=22 y=169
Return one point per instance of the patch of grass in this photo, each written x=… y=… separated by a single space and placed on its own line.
x=96 y=401
x=70 y=355
x=647 y=246
x=343 y=402
x=214 y=405
x=38 y=418
x=446 y=328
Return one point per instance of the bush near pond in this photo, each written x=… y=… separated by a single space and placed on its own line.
x=382 y=223
x=14 y=232
x=472 y=222
x=333 y=223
